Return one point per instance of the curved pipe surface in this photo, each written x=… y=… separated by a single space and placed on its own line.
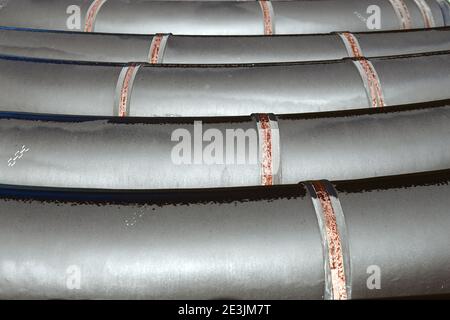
x=146 y=90
x=224 y=18
x=174 y=49
x=147 y=153
x=244 y=243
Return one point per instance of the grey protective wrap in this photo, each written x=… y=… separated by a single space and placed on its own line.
x=146 y=153
x=213 y=18
x=78 y=46
x=92 y=89
x=257 y=242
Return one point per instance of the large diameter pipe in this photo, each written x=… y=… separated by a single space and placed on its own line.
x=390 y=234
x=107 y=89
x=173 y=49
x=146 y=153
x=224 y=18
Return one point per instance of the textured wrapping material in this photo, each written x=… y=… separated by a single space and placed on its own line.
x=215 y=50
x=218 y=18
x=257 y=242
x=145 y=153
x=92 y=89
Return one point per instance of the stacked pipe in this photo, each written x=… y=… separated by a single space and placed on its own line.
x=179 y=150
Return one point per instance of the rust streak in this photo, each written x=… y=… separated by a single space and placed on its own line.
x=353 y=44
x=268 y=30
x=402 y=12
x=124 y=91
x=156 y=44
x=266 y=164
x=336 y=258
x=374 y=84
x=91 y=15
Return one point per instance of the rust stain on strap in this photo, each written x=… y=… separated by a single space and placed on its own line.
x=267 y=11
x=402 y=12
x=155 y=48
x=123 y=102
x=266 y=161
x=373 y=84
x=352 y=45
x=335 y=248
x=92 y=14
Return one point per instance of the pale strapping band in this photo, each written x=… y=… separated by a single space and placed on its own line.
x=371 y=82
x=402 y=12
x=427 y=14
x=89 y=21
x=268 y=16
x=351 y=44
x=269 y=148
x=333 y=230
x=157 y=48
x=123 y=90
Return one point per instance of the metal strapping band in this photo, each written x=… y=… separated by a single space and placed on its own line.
x=333 y=230
x=402 y=12
x=123 y=90
x=351 y=44
x=89 y=21
x=157 y=48
x=427 y=14
x=268 y=16
x=269 y=148
x=371 y=81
